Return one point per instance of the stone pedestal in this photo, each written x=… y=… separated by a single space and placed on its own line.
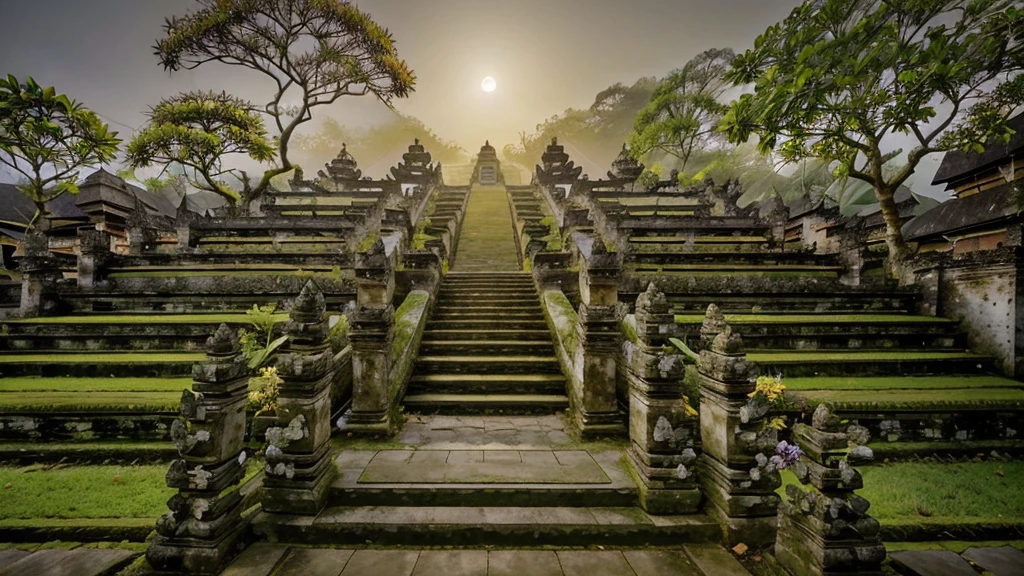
x=732 y=470
x=826 y=530
x=299 y=465
x=205 y=528
x=595 y=406
x=94 y=251
x=40 y=272
x=371 y=333
x=662 y=431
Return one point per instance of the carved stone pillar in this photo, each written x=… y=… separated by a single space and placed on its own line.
x=40 y=273
x=299 y=465
x=204 y=527
x=94 y=251
x=827 y=530
x=663 y=435
x=371 y=333
x=731 y=472
x=595 y=406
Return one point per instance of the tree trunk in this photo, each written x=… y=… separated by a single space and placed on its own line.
x=39 y=221
x=898 y=250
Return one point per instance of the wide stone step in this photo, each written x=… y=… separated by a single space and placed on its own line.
x=870 y=363
x=813 y=302
x=488 y=526
x=543 y=384
x=485 y=334
x=461 y=478
x=485 y=347
x=485 y=299
x=503 y=324
x=479 y=291
x=486 y=403
x=100 y=364
x=475 y=314
x=496 y=364
x=483 y=307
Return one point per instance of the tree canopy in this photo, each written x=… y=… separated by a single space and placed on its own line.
x=851 y=81
x=48 y=138
x=315 y=51
x=683 y=113
x=196 y=131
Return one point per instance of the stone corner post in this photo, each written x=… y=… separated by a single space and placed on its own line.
x=372 y=332
x=595 y=406
x=827 y=530
x=299 y=464
x=205 y=528
x=94 y=252
x=663 y=436
x=732 y=469
x=40 y=273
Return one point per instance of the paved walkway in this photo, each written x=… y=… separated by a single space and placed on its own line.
x=273 y=560
x=485 y=432
x=62 y=562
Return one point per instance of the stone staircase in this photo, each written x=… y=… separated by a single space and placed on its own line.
x=487 y=348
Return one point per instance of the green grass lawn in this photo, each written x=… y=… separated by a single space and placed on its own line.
x=90 y=402
x=854 y=318
x=932 y=493
x=237 y=318
x=83 y=492
x=899 y=383
x=66 y=357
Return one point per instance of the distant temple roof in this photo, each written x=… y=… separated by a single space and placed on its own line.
x=956 y=164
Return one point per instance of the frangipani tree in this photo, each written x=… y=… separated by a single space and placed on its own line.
x=314 y=51
x=852 y=81
x=48 y=138
x=197 y=131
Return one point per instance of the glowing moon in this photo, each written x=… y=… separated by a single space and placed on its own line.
x=489 y=84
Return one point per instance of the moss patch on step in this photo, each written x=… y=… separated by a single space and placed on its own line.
x=900 y=383
x=102 y=358
x=216 y=319
x=43 y=384
x=64 y=402
x=860 y=356
x=854 y=318
x=916 y=400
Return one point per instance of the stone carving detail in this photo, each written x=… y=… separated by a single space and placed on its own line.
x=827 y=530
x=625 y=167
x=299 y=468
x=342 y=169
x=555 y=167
x=416 y=168
x=204 y=527
x=734 y=473
x=662 y=427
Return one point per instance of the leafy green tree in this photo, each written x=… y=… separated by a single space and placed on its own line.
x=48 y=139
x=851 y=81
x=196 y=131
x=683 y=113
x=315 y=52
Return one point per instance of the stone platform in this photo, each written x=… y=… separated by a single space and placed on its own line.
x=277 y=560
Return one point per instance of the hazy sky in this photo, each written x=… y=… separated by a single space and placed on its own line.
x=546 y=55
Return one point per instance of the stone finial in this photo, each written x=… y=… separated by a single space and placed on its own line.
x=651 y=301
x=727 y=342
x=309 y=305
x=714 y=324
x=223 y=342
x=554 y=141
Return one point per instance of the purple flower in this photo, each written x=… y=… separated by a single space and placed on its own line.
x=786 y=455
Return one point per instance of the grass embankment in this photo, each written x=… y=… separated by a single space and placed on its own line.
x=32 y=394
x=74 y=492
x=213 y=318
x=825 y=319
x=942 y=496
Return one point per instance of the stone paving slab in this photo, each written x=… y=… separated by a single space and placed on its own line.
x=715 y=560
x=932 y=563
x=339 y=562
x=483 y=467
x=1001 y=561
x=257 y=560
x=485 y=432
x=8 y=557
x=77 y=562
